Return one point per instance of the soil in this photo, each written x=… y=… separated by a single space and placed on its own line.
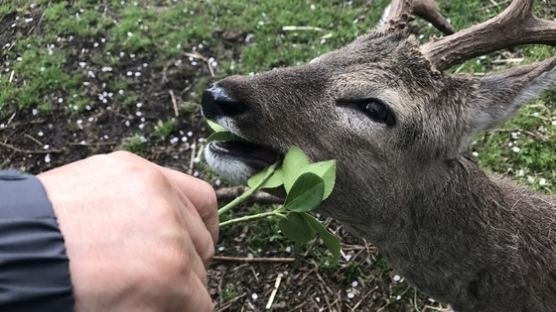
x=34 y=140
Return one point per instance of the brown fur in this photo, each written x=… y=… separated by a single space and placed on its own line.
x=476 y=242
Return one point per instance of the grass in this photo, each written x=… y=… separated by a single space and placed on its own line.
x=135 y=144
x=524 y=147
x=62 y=56
x=164 y=128
x=42 y=71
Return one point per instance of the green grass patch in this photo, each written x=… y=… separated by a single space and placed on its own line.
x=37 y=78
x=80 y=18
x=134 y=144
x=164 y=128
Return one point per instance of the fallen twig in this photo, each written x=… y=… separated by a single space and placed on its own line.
x=11 y=119
x=253 y=259
x=18 y=124
x=192 y=160
x=509 y=60
x=325 y=296
x=302 y=28
x=204 y=59
x=323 y=285
x=30 y=137
x=174 y=103
x=229 y=303
x=24 y=151
x=92 y=143
x=220 y=287
x=274 y=291
x=356 y=306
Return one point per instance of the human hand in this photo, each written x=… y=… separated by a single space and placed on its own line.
x=138 y=235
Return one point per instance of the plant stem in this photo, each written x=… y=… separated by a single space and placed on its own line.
x=251 y=217
x=241 y=198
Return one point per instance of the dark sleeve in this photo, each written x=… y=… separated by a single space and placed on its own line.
x=34 y=268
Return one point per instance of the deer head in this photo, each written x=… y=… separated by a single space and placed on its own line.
x=383 y=107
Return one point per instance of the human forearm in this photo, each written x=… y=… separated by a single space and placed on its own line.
x=34 y=271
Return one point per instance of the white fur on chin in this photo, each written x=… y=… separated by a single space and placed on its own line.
x=229 y=168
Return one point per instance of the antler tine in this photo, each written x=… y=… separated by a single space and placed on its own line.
x=427 y=10
x=400 y=11
x=514 y=26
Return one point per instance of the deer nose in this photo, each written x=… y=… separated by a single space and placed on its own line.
x=217 y=102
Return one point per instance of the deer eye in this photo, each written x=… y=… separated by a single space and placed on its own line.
x=374 y=108
x=378 y=111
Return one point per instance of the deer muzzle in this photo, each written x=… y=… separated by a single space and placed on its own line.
x=234 y=159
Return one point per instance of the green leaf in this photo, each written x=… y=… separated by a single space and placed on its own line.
x=296 y=228
x=306 y=193
x=223 y=136
x=275 y=180
x=215 y=127
x=331 y=241
x=294 y=160
x=327 y=171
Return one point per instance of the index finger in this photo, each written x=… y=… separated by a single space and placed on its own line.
x=202 y=196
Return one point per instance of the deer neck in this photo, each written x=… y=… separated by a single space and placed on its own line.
x=436 y=201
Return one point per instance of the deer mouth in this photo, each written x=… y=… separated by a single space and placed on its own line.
x=237 y=160
x=256 y=156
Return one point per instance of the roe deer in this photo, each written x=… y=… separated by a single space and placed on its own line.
x=400 y=128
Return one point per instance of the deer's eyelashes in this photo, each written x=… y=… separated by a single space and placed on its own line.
x=375 y=109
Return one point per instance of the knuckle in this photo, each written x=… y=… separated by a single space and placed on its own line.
x=208 y=248
x=148 y=175
x=172 y=263
x=210 y=202
x=180 y=267
x=203 y=277
x=100 y=159
x=123 y=161
x=208 y=192
x=127 y=159
x=162 y=212
x=124 y=155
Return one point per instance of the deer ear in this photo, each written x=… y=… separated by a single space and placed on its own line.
x=500 y=95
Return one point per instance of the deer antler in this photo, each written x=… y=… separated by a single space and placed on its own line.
x=428 y=10
x=514 y=26
x=400 y=10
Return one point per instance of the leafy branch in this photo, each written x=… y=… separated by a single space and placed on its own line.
x=307 y=185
